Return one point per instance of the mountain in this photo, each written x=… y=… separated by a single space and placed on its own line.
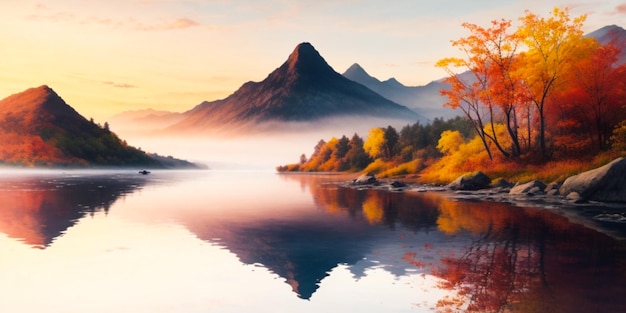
x=37 y=128
x=425 y=100
x=304 y=88
x=612 y=34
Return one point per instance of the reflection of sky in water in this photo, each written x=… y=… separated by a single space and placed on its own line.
x=166 y=244
x=257 y=241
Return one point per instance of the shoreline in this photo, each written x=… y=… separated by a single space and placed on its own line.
x=605 y=217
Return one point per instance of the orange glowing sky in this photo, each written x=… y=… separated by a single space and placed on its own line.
x=108 y=56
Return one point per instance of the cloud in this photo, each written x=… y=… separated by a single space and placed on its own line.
x=621 y=9
x=119 y=85
x=45 y=14
x=179 y=23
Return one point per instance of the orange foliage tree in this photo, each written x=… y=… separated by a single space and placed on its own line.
x=561 y=86
x=492 y=87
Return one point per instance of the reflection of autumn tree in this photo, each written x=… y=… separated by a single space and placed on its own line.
x=518 y=261
x=412 y=210
x=38 y=210
x=497 y=271
x=372 y=209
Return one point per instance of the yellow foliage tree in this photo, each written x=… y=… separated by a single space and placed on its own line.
x=554 y=44
x=450 y=141
x=375 y=143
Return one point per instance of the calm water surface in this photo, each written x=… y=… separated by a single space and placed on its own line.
x=260 y=242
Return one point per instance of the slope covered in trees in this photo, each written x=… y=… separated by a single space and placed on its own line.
x=383 y=149
x=539 y=98
x=37 y=128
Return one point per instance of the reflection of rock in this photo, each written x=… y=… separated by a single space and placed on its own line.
x=606 y=183
x=38 y=209
x=471 y=181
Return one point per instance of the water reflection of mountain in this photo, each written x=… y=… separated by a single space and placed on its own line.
x=495 y=256
x=349 y=225
x=302 y=252
x=37 y=209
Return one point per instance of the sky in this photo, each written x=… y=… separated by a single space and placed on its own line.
x=104 y=57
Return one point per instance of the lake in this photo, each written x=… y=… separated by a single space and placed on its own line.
x=256 y=241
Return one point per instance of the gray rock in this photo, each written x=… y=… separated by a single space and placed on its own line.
x=553 y=192
x=397 y=184
x=533 y=187
x=605 y=184
x=575 y=197
x=365 y=179
x=471 y=181
x=553 y=188
x=502 y=183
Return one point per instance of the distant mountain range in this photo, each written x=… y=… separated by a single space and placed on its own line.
x=425 y=100
x=37 y=128
x=304 y=88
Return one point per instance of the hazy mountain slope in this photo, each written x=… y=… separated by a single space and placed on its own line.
x=304 y=88
x=426 y=100
x=612 y=34
x=144 y=121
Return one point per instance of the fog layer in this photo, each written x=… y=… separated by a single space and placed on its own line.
x=262 y=147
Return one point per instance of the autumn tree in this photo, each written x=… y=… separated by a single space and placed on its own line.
x=391 y=142
x=450 y=141
x=375 y=143
x=489 y=85
x=595 y=94
x=553 y=45
x=357 y=158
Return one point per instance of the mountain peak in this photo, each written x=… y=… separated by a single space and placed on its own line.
x=393 y=82
x=355 y=68
x=356 y=73
x=39 y=94
x=305 y=58
x=41 y=98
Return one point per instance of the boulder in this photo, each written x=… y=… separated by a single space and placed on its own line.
x=365 y=179
x=397 y=184
x=605 y=184
x=471 y=181
x=532 y=187
x=575 y=197
x=553 y=188
x=501 y=183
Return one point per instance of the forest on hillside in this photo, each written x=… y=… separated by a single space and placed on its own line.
x=538 y=98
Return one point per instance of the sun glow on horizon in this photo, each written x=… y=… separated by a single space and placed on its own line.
x=112 y=56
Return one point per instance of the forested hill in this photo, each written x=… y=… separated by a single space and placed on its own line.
x=37 y=128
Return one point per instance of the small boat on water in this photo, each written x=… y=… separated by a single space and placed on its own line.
x=144 y=172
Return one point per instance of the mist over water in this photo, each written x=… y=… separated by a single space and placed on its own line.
x=262 y=147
